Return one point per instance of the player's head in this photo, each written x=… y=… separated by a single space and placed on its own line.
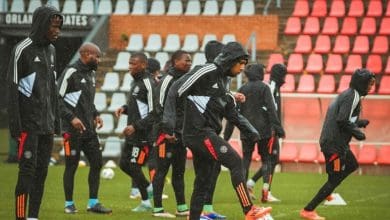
x=153 y=65
x=181 y=61
x=254 y=72
x=278 y=74
x=362 y=80
x=232 y=59
x=46 y=25
x=137 y=63
x=90 y=55
x=212 y=49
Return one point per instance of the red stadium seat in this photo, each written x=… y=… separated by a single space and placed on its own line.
x=319 y=8
x=314 y=63
x=367 y=155
x=303 y=44
x=341 y=44
x=301 y=8
x=274 y=58
x=361 y=45
x=326 y=84
x=322 y=44
x=337 y=8
x=354 y=62
x=293 y=26
x=384 y=86
x=380 y=45
x=374 y=8
x=387 y=14
x=349 y=26
x=334 y=65
x=387 y=69
x=289 y=153
x=385 y=26
x=344 y=83
x=331 y=26
x=306 y=83
x=289 y=86
x=374 y=63
x=356 y=8
x=312 y=26
x=295 y=63
x=368 y=26
x=384 y=155
x=308 y=153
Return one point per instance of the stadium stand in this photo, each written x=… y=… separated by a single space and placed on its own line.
x=349 y=26
x=308 y=153
x=387 y=69
x=344 y=83
x=337 y=9
x=122 y=61
x=314 y=64
x=356 y=8
x=193 y=8
x=122 y=123
x=293 y=26
x=289 y=86
x=229 y=7
x=17 y=6
x=111 y=82
x=361 y=45
x=306 y=84
x=367 y=155
x=274 y=58
x=87 y=7
x=289 y=152
x=368 y=26
x=117 y=100
x=4 y=6
x=206 y=39
x=384 y=155
x=295 y=63
x=384 y=87
x=380 y=45
x=301 y=8
x=122 y=7
x=136 y=43
x=127 y=79
x=157 y=7
x=54 y=3
x=140 y=7
x=385 y=26
x=191 y=43
x=162 y=58
x=108 y=125
x=312 y=26
x=154 y=43
x=198 y=59
x=33 y=4
x=226 y=38
x=172 y=43
x=112 y=147
x=323 y=45
x=247 y=8
x=69 y=7
x=211 y=7
x=326 y=84
x=319 y=8
x=354 y=62
x=331 y=26
x=303 y=45
x=104 y=7
x=374 y=63
x=334 y=64
x=100 y=101
x=175 y=7
x=341 y=44
x=374 y=8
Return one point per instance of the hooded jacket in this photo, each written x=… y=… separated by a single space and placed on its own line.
x=277 y=79
x=139 y=108
x=207 y=100
x=259 y=107
x=33 y=100
x=77 y=92
x=342 y=118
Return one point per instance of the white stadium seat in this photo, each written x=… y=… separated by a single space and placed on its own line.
x=193 y=7
x=228 y=38
x=100 y=101
x=87 y=7
x=112 y=147
x=122 y=7
x=139 y=7
x=69 y=7
x=206 y=39
x=104 y=7
x=17 y=6
x=157 y=7
x=229 y=7
x=191 y=43
x=172 y=43
x=33 y=4
x=162 y=58
x=247 y=7
x=136 y=43
x=175 y=7
x=122 y=61
x=4 y=6
x=154 y=43
x=122 y=123
x=117 y=100
x=111 y=82
x=210 y=7
x=126 y=84
x=199 y=59
x=54 y=3
x=108 y=124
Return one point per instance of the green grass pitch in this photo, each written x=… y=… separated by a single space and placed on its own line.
x=367 y=197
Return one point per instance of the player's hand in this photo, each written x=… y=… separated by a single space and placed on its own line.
x=362 y=123
x=98 y=122
x=76 y=123
x=239 y=97
x=119 y=111
x=129 y=130
x=170 y=138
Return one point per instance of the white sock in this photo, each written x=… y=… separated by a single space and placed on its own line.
x=265 y=186
x=150 y=187
x=250 y=183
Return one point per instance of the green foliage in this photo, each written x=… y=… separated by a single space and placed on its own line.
x=368 y=197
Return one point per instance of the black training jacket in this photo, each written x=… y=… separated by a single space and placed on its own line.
x=139 y=108
x=33 y=100
x=77 y=92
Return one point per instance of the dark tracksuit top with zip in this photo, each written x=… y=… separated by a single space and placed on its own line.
x=206 y=102
x=77 y=92
x=139 y=110
x=169 y=153
x=33 y=110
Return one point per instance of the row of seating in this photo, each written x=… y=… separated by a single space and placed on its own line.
x=139 y=7
x=310 y=153
x=337 y=8
x=342 y=44
x=330 y=63
x=172 y=43
x=330 y=26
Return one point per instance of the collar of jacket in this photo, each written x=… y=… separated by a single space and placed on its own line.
x=175 y=73
x=83 y=67
x=140 y=75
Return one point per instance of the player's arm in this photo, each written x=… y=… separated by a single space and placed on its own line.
x=271 y=112
x=344 y=116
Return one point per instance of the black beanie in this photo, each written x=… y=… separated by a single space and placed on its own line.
x=153 y=65
x=278 y=73
x=212 y=49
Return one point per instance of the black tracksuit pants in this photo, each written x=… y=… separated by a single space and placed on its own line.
x=34 y=156
x=207 y=149
x=213 y=183
x=132 y=158
x=73 y=145
x=170 y=154
x=338 y=168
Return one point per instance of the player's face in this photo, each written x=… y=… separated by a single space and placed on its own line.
x=54 y=28
x=238 y=68
x=93 y=59
x=370 y=84
x=183 y=63
x=136 y=65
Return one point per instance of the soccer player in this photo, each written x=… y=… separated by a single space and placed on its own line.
x=207 y=101
x=170 y=152
x=33 y=107
x=259 y=109
x=80 y=119
x=277 y=79
x=139 y=123
x=341 y=123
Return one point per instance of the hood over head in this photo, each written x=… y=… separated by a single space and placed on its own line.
x=278 y=73
x=153 y=65
x=254 y=72
x=212 y=49
x=231 y=53
x=41 y=23
x=360 y=80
